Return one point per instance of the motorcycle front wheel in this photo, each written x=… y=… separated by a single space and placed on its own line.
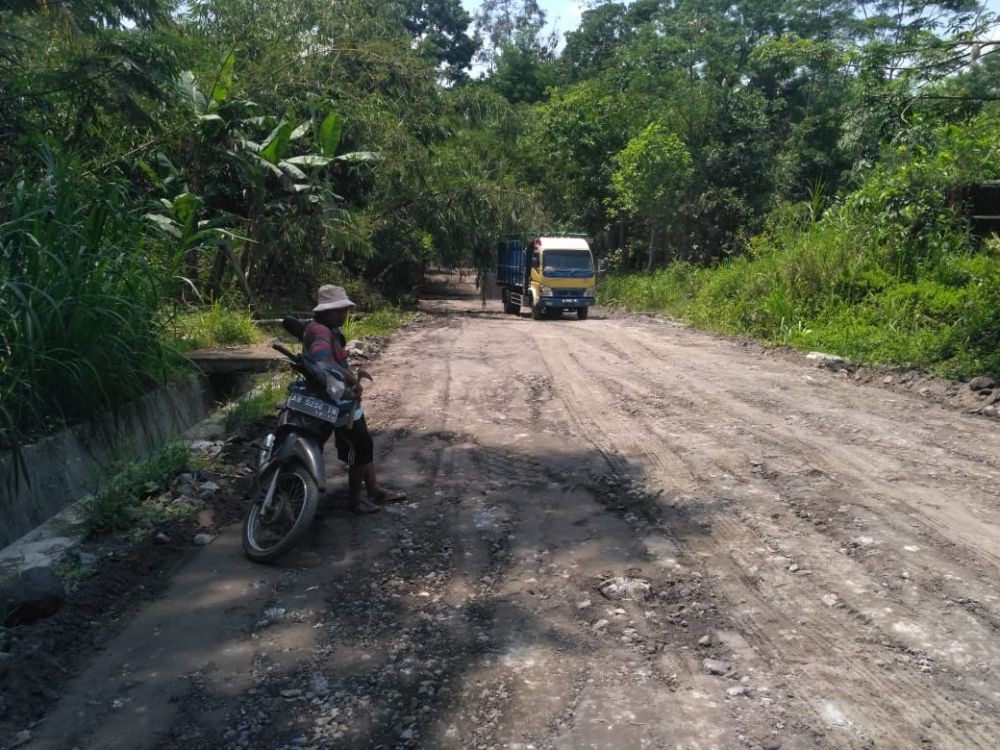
x=268 y=535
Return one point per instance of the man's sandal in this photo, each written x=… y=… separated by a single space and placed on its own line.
x=364 y=506
x=389 y=496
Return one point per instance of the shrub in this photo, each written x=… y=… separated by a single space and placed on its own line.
x=123 y=499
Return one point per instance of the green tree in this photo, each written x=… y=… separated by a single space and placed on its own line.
x=582 y=125
x=652 y=171
x=522 y=71
x=441 y=30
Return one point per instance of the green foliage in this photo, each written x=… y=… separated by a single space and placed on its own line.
x=652 y=169
x=213 y=326
x=381 y=322
x=258 y=404
x=79 y=298
x=127 y=495
x=890 y=276
x=441 y=28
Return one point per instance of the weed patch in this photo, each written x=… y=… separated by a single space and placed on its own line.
x=213 y=326
x=381 y=322
x=262 y=402
x=127 y=496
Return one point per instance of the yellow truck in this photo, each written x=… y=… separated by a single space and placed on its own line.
x=549 y=274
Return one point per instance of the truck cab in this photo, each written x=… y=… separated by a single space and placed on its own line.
x=550 y=274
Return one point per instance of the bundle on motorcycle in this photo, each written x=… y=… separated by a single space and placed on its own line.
x=290 y=474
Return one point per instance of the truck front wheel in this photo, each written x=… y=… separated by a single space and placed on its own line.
x=581 y=313
x=537 y=312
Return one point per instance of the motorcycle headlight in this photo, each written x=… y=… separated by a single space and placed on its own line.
x=546 y=290
x=591 y=291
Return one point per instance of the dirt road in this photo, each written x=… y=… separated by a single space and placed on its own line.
x=812 y=563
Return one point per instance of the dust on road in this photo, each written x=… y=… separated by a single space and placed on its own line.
x=812 y=562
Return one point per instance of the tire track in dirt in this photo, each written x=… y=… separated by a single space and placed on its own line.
x=773 y=437
x=913 y=700
x=976 y=642
x=852 y=475
x=627 y=449
x=834 y=459
x=541 y=533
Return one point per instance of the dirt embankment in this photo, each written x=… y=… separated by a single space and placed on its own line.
x=621 y=533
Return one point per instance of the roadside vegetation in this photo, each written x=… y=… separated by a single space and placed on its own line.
x=888 y=274
x=380 y=322
x=129 y=493
x=259 y=403
x=215 y=325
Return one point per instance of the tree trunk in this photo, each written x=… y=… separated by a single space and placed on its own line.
x=241 y=277
x=218 y=269
x=652 y=244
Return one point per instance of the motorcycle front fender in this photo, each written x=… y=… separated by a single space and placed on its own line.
x=305 y=450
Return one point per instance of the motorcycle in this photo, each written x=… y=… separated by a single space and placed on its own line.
x=290 y=474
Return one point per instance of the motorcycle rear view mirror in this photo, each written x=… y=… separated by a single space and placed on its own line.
x=294 y=326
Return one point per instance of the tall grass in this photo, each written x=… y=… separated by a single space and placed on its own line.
x=261 y=402
x=213 y=325
x=380 y=322
x=78 y=304
x=821 y=290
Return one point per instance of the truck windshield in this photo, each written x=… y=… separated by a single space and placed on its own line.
x=567 y=263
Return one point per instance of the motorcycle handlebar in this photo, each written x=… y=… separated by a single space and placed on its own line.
x=309 y=369
x=282 y=350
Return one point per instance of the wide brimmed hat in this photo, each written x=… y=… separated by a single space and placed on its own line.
x=332 y=297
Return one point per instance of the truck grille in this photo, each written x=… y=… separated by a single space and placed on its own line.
x=568 y=292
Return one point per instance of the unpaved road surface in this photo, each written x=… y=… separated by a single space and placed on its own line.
x=811 y=563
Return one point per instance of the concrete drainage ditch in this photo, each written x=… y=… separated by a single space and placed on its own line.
x=40 y=491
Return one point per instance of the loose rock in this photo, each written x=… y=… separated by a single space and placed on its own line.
x=624 y=587
x=982 y=383
x=202 y=539
x=35 y=594
x=715 y=666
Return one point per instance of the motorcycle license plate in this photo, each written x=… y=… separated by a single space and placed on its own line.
x=312 y=406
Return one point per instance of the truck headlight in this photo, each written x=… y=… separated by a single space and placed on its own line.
x=545 y=290
x=591 y=291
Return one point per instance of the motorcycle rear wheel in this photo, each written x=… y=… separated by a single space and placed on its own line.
x=293 y=507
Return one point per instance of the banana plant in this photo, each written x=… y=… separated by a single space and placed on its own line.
x=273 y=151
x=233 y=178
x=178 y=220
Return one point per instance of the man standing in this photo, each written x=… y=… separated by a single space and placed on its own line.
x=326 y=344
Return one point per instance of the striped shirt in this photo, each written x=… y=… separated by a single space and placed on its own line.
x=325 y=345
